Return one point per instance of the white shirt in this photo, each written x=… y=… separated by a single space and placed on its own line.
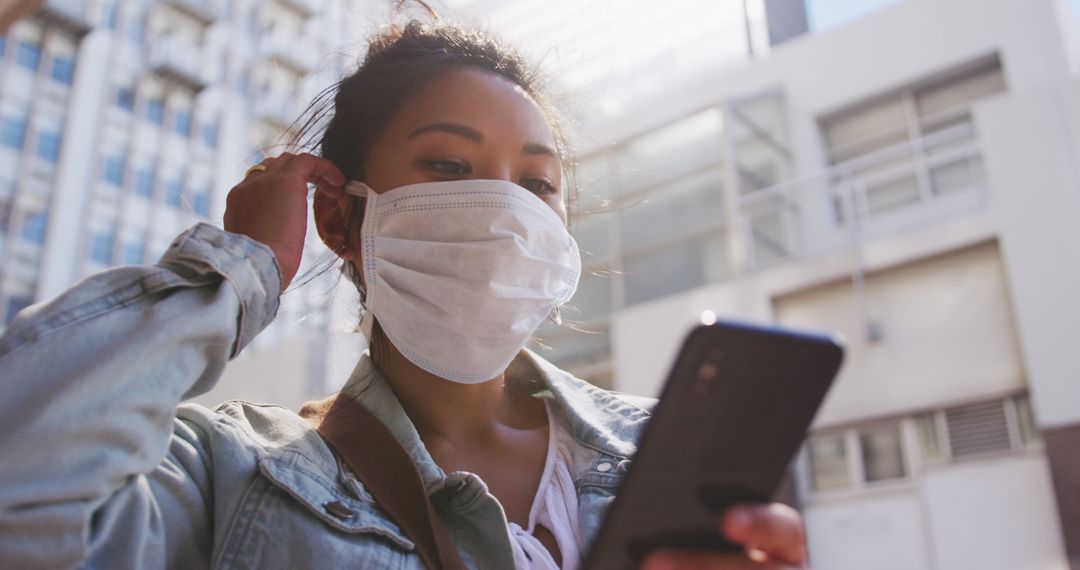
x=555 y=507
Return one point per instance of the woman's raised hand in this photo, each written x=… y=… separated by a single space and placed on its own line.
x=773 y=536
x=270 y=205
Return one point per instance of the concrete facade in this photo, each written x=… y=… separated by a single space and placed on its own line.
x=126 y=122
x=915 y=187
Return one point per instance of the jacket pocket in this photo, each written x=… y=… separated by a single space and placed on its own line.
x=307 y=483
x=297 y=515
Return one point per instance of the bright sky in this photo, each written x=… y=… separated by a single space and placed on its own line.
x=825 y=15
x=1075 y=5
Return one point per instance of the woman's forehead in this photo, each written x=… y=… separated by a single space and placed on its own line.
x=484 y=101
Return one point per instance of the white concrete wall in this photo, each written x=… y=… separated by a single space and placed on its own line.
x=1030 y=141
x=883 y=531
x=994 y=515
x=902 y=44
x=961 y=320
x=948 y=335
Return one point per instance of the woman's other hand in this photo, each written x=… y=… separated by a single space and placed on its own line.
x=772 y=534
x=270 y=205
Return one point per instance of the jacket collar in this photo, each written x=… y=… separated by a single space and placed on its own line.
x=598 y=419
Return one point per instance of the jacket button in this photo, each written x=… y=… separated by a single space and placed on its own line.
x=603 y=467
x=338 y=509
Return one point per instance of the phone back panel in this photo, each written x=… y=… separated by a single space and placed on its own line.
x=732 y=415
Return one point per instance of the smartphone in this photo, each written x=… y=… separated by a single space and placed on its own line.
x=731 y=416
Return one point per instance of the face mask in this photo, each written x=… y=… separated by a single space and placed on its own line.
x=461 y=273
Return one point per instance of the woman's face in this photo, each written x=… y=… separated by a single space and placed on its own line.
x=468 y=124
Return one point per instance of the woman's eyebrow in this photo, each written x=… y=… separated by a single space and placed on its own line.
x=452 y=128
x=475 y=136
x=537 y=148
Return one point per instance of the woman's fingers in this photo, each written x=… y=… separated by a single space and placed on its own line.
x=774 y=529
x=688 y=560
x=270 y=205
x=313 y=169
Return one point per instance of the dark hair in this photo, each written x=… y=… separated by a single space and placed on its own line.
x=400 y=60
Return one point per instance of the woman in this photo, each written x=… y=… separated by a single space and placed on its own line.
x=456 y=240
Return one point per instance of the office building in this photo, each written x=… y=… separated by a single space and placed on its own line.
x=910 y=181
x=122 y=123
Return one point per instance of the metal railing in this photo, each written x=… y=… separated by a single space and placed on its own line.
x=883 y=191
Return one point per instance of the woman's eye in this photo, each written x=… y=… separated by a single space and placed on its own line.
x=539 y=186
x=446 y=167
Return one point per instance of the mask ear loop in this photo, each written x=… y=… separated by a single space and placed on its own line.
x=367 y=319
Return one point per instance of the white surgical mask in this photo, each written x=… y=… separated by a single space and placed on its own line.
x=461 y=273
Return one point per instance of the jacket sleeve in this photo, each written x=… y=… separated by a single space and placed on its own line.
x=90 y=382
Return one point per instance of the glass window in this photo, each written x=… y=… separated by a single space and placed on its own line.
x=1025 y=419
x=772 y=223
x=144 y=182
x=182 y=122
x=957 y=175
x=957 y=93
x=658 y=273
x=929 y=437
x=201 y=203
x=133 y=253
x=6 y=189
x=101 y=248
x=48 y=146
x=571 y=348
x=155 y=111
x=63 y=69
x=679 y=148
x=135 y=29
x=762 y=153
x=592 y=235
x=113 y=172
x=34 y=225
x=13 y=132
x=174 y=192
x=111 y=15
x=125 y=99
x=689 y=206
x=210 y=135
x=882 y=454
x=28 y=55
x=592 y=299
x=828 y=463
x=865 y=129
x=16 y=304
x=243 y=82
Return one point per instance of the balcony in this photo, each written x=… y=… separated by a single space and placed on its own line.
x=206 y=11
x=180 y=61
x=307 y=8
x=278 y=109
x=899 y=187
x=68 y=14
x=291 y=50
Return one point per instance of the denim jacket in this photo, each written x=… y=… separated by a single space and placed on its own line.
x=99 y=468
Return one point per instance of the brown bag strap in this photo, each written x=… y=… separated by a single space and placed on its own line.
x=385 y=468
